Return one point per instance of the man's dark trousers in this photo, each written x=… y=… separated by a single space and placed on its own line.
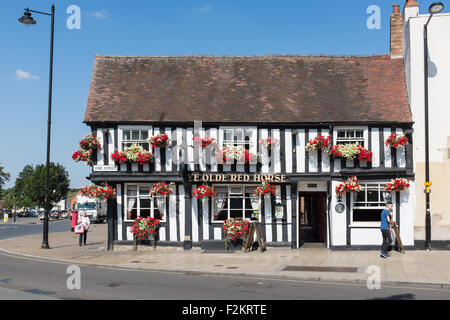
x=387 y=240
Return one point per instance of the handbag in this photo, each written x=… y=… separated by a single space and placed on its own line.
x=79 y=229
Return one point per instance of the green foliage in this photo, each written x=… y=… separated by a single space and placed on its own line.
x=29 y=188
x=58 y=184
x=4 y=176
x=8 y=199
x=19 y=194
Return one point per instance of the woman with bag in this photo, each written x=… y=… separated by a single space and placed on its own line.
x=83 y=228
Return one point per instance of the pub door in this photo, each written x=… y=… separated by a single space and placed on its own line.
x=312 y=220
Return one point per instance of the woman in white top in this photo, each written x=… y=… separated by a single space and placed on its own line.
x=84 y=220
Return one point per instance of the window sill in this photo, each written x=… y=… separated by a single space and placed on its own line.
x=375 y=225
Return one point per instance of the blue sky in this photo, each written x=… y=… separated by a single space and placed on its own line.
x=150 y=27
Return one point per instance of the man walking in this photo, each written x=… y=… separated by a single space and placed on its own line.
x=386 y=229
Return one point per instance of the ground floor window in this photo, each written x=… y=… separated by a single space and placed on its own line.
x=369 y=203
x=235 y=202
x=139 y=203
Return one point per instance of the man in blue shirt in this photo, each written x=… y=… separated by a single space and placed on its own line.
x=386 y=229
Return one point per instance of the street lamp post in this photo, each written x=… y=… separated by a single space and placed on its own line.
x=28 y=20
x=434 y=8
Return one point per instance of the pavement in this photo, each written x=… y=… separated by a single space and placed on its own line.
x=316 y=263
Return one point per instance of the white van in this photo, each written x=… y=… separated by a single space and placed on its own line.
x=95 y=209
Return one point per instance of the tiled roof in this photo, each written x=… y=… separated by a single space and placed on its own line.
x=248 y=89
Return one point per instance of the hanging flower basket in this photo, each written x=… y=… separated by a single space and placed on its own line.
x=134 y=154
x=351 y=152
x=269 y=143
x=235 y=229
x=265 y=188
x=319 y=143
x=86 y=146
x=351 y=185
x=397 y=141
x=159 y=141
x=143 y=228
x=204 y=191
x=399 y=184
x=203 y=142
x=83 y=156
x=231 y=154
x=97 y=192
x=162 y=188
x=89 y=142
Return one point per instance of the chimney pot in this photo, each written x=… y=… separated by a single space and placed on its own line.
x=396 y=8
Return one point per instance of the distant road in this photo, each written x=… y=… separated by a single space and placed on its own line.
x=11 y=230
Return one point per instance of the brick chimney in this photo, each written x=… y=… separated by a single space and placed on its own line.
x=396 y=33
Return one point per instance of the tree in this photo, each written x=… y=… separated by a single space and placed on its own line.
x=21 y=198
x=4 y=176
x=58 y=184
x=8 y=199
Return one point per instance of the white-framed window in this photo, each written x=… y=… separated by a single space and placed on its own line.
x=235 y=201
x=239 y=137
x=351 y=136
x=139 y=203
x=135 y=136
x=368 y=204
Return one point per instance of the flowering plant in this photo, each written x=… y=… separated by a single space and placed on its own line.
x=237 y=153
x=265 y=188
x=351 y=151
x=269 y=143
x=162 y=188
x=203 y=142
x=83 y=155
x=397 y=140
x=161 y=140
x=143 y=227
x=319 y=143
x=135 y=153
x=351 y=185
x=86 y=146
x=399 y=184
x=236 y=228
x=89 y=142
x=204 y=192
x=102 y=193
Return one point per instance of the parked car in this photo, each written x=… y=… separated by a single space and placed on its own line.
x=41 y=216
x=64 y=215
x=54 y=215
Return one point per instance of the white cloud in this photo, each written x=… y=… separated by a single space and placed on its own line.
x=205 y=9
x=100 y=14
x=23 y=75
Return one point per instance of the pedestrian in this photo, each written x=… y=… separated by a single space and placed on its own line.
x=74 y=220
x=386 y=229
x=83 y=219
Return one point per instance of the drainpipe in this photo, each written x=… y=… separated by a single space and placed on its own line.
x=330 y=192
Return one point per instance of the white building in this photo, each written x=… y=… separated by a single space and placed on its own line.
x=439 y=115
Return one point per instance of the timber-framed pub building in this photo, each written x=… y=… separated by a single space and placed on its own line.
x=239 y=101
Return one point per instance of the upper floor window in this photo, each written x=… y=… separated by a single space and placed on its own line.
x=238 y=137
x=139 y=137
x=350 y=136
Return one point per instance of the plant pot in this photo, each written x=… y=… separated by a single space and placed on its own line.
x=234 y=245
